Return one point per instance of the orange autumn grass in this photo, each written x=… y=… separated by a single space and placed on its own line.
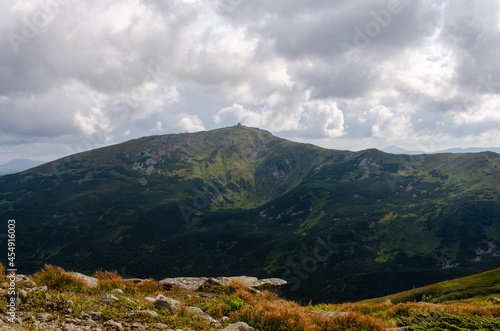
x=268 y=312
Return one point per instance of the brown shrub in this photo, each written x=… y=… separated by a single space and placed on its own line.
x=109 y=280
x=146 y=286
x=57 y=278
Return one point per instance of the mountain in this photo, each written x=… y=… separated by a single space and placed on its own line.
x=393 y=149
x=17 y=165
x=483 y=285
x=337 y=225
x=398 y=150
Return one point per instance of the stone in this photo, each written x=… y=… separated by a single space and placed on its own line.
x=108 y=299
x=87 y=280
x=70 y=327
x=329 y=313
x=69 y=302
x=162 y=302
x=130 y=301
x=40 y=288
x=239 y=326
x=198 y=311
x=195 y=283
x=187 y=283
x=95 y=314
x=43 y=317
x=146 y=312
x=113 y=325
x=21 y=295
x=270 y=284
x=117 y=291
x=149 y=299
x=25 y=280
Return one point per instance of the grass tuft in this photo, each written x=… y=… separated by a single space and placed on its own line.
x=57 y=278
x=108 y=280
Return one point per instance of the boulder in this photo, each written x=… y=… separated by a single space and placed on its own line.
x=108 y=299
x=117 y=291
x=87 y=280
x=187 y=283
x=239 y=326
x=194 y=283
x=162 y=302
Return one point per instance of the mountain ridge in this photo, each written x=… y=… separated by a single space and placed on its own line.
x=240 y=200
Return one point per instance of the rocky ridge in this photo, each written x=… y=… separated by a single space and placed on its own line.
x=96 y=321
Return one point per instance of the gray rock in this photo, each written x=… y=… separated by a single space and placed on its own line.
x=21 y=295
x=87 y=280
x=71 y=327
x=138 y=326
x=43 y=317
x=329 y=313
x=187 y=283
x=130 y=301
x=149 y=299
x=194 y=283
x=108 y=299
x=95 y=315
x=270 y=284
x=40 y=288
x=117 y=291
x=25 y=280
x=163 y=302
x=113 y=325
x=146 y=312
x=69 y=302
x=160 y=326
x=198 y=311
x=239 y=326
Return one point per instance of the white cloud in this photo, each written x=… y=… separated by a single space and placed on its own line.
x=190 y=123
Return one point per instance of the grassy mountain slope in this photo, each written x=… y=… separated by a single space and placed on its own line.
x=337 y=225
x=483 y=285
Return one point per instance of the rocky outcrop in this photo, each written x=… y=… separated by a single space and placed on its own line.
x=195 y=283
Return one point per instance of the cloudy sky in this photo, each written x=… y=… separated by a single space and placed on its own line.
x=77 y=75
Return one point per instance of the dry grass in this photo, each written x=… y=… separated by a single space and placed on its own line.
x=109 y=280
x=263 y=311
x=2 y=270
x=267 y=312
x=57 y=278
x=146 y=286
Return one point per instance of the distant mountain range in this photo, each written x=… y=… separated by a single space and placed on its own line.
x=398 y=150
x=337 y=225
x=18 y=165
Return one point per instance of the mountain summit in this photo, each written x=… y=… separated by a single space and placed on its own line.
x=337 y=225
